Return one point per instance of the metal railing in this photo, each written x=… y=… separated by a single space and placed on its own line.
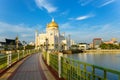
x=71 y=69
x=76 y=70
x=10 y=58
x=54 y=61
x=45 y=55
x=3 y=62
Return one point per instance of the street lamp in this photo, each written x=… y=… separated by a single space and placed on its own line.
x=46 y=44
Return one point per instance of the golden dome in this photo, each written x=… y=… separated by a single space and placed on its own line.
x=52 y=24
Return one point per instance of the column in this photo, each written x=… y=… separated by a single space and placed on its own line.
x=59 y=64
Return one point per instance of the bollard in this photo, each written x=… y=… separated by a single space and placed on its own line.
x=59 y=64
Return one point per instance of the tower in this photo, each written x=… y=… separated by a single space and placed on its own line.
x=36 y=39
x=69 y=41
x=16 y=41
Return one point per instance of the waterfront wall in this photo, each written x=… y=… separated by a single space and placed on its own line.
x=103 y=51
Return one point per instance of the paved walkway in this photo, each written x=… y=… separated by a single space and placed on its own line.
x=33 y=69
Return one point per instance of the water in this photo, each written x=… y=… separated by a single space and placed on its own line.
x=107 y=60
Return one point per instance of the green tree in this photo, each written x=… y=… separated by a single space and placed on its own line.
x=109 y=46
x=30 y=47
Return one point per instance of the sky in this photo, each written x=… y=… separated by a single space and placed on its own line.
x=82 y=19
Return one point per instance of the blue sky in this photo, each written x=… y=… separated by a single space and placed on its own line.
x=82 y=19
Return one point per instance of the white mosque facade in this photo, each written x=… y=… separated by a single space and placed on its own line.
x=52 y=39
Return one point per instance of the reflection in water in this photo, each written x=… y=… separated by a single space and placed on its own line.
x=108 y=60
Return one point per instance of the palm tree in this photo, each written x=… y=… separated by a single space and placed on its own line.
x=24 y=44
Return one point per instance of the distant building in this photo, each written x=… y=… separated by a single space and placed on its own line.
x=91 y=45
x=72 y=42
x=2 y=45
x=32 y=43
x=97 y=42
x=83 y=46
x=112 y=41
x=9 y=44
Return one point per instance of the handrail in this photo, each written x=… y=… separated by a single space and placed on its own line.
x=70 y=63
x=10 y=58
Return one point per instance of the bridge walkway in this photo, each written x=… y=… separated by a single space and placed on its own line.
x=32 y=68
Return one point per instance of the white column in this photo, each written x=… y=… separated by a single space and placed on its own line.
x=29 y=51
x=59 y=64
x=36 y=35
x=10 y=53
x=18 y=54
x=48 y=59
x=23 y=52
x=9 y=58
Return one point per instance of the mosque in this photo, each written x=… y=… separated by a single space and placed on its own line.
x=52 y=39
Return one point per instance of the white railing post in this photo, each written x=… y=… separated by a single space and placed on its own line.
x=9 y=58
x=48 y=59
x=18 y=54
x=7 y=52
x=59 y=64
x=26 y=52
x=23 y=52
x=29 y=52
x=10 y=53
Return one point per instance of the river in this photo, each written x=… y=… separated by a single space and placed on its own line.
x=107 y=60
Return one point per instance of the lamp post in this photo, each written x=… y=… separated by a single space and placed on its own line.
x=46 y=44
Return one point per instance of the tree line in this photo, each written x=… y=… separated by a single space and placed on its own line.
x=109 y=46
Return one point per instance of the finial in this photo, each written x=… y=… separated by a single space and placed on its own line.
x=36 y=31
x=52 y=19
x=16 y=37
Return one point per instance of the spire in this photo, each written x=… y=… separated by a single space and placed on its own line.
x=52 y=19
x=36 y=31
x=16 y=37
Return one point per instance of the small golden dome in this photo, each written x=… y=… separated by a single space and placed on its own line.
x=52 y=24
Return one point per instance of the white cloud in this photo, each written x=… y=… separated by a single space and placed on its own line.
x=107 y=3
x=64 y=13
x=79 y=32
x=85 y=17
x=66 y=26
x=46 y=5
x=11 y=31
x=86 y=32
x=82 y=17
x=85 y=2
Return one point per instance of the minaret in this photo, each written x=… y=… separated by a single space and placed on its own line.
x=36 y=41
x=69 y=41
x=53 y=20
x=16 y=41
